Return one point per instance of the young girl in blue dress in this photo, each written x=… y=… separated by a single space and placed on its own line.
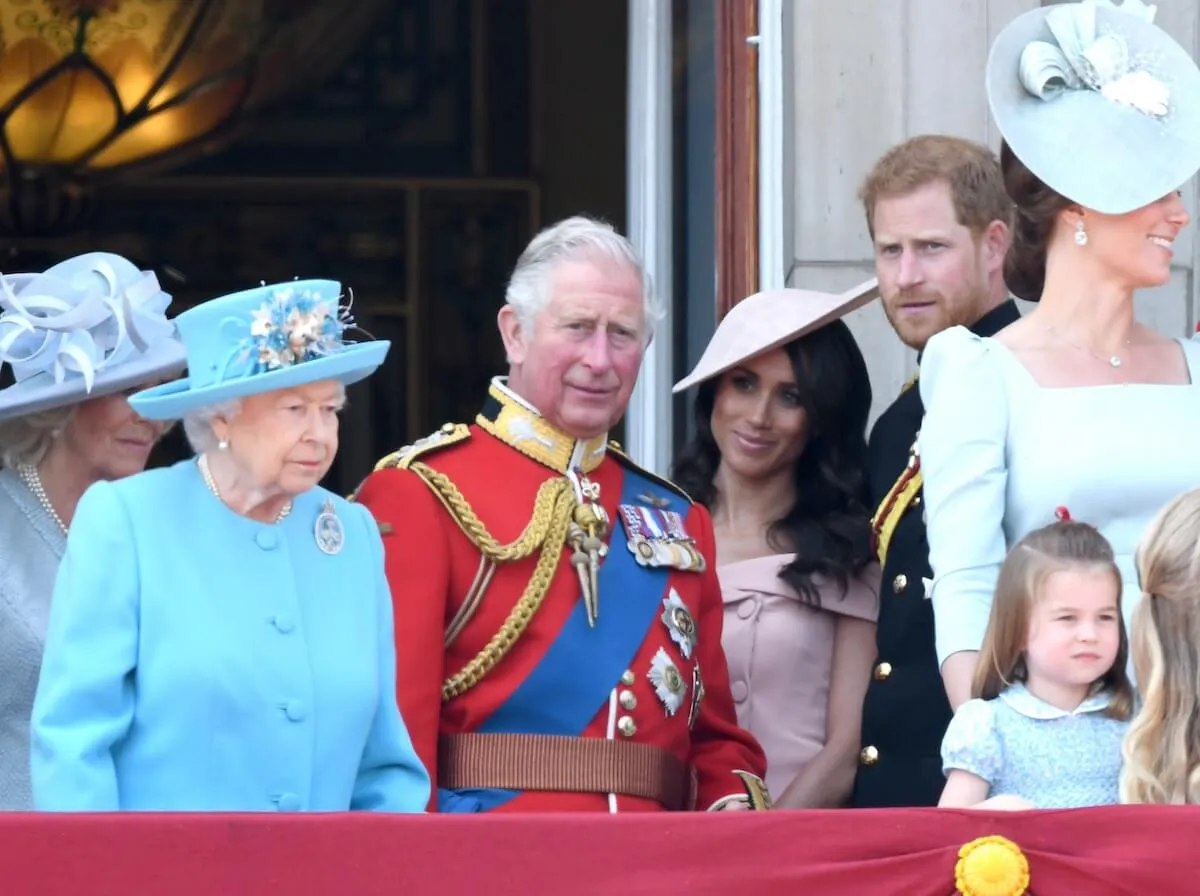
x=1051 y=696
x=1162 y=749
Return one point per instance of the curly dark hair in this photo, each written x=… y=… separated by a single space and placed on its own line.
x=829 y=526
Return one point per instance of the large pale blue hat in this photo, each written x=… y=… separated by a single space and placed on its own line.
x=260 y=340
x=1098 y=102
x=89 y=326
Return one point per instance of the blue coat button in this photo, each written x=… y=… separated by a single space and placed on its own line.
x=295 y=711
x=289 y=802
x=266 y=539
x=283 y=623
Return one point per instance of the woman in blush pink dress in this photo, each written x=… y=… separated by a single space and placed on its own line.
x=778 y=456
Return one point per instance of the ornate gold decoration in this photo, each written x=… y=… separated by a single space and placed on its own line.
x=546 y=531
x=991 y=866
x=899 y=497
x=756 y=791
x=448 y=434
x=530 y=433
x=589 y=526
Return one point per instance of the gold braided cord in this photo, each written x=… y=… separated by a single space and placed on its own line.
x=899 y=497
x=547 y=530
x=549 y=495
x=518 y=620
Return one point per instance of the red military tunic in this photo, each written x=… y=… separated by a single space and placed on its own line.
x=498 y=466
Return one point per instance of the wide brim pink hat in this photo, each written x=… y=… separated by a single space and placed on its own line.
x=767 y=320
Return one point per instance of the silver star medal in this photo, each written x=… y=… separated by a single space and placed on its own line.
x=680 y=623
x=669 y=686
x=328 y=530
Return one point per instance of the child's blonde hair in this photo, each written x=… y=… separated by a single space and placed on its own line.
x=1162 y=748
x=1055 y=548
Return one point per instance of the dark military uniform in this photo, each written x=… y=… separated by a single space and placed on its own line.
x=906 y=711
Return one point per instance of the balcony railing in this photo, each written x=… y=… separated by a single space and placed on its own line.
x=1133 y=850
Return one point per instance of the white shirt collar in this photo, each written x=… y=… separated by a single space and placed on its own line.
x=1018 y=698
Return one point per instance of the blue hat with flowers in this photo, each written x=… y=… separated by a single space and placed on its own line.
x=260 y=340
x=89 y=326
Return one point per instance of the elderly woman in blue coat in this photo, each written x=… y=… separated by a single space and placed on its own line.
x=221 y=632
x=77 y=338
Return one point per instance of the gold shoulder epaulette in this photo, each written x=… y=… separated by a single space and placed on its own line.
x=449 y=434
x=614 y=448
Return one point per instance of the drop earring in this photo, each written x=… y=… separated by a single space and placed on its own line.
x=222 y=445
x=1081 y=238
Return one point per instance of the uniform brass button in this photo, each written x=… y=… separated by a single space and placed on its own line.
x=883 y=671
x=628 y=700
x=917 y=501
x=627 y=677
x=627 y=726
x=900 y=583
x=868 y=756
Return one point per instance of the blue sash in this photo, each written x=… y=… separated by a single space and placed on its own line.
x=574 y=679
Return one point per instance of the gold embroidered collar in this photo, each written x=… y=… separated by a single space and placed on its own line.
x=515 y=422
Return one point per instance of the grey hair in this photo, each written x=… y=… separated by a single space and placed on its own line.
x=25 y=440
x=198 y=424
x=568 y=240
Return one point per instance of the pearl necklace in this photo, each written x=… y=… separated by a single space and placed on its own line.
x=29 y=475
x=202 y=463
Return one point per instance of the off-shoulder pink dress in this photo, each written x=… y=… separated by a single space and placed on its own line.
x=780 y=655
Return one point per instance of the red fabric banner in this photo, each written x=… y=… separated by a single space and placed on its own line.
x=1132 y=850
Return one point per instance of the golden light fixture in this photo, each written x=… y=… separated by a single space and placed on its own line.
x=89 y=89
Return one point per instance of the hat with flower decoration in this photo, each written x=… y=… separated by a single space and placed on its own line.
x=89 y=326
x=261 y=340
x=1098 y=102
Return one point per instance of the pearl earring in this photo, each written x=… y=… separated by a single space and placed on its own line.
x=223 y=445
x=1081 y=238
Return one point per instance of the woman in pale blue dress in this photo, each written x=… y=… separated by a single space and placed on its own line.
x=1077 y=404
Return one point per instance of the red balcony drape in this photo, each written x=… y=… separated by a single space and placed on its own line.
x=1093 y=852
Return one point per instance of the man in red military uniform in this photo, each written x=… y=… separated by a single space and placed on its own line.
x=557 y=615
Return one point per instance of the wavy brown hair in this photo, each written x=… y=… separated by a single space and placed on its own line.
x=829 y=526
x=1061 y=546
x=1162 y=747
